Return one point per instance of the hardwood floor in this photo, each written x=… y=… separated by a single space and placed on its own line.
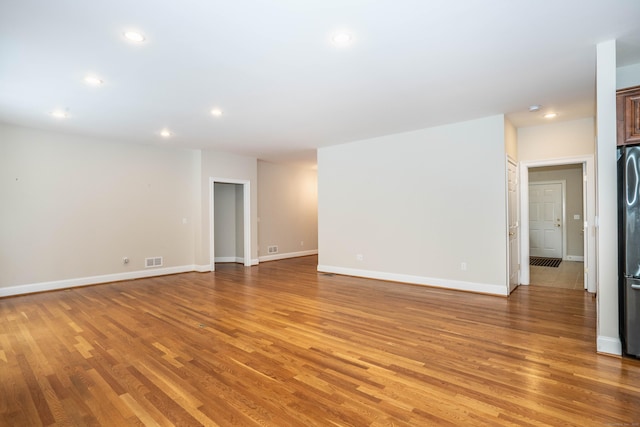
x=282 y=345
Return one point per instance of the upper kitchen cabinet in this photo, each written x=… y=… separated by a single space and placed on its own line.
x=628 y=111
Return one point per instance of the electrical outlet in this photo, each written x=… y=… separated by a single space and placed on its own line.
x=360 y=257
x=301 y=243
x=463 y=266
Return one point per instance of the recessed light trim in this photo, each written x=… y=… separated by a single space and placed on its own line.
x=59 y=114
x=342 y=38
x=93 y=81
x=534 y=108
x=134 y=36
x=166 y=133
x=550 y=115
x=216 y=112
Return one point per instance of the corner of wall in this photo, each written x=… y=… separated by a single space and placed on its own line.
x=607 y=227
x=609 y=345
x=510 y=139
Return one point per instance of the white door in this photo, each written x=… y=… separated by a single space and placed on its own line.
x=545 y=220
x=514 y=241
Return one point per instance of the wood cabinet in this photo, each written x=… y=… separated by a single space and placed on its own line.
x=628 y=114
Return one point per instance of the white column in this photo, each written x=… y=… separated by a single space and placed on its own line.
x=607 y=224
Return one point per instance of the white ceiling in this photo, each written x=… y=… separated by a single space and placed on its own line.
x=285 y=89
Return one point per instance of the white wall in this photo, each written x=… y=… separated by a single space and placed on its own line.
x=288 y=210
x=416 y=205
x=557 y=140
x=628 y=76
x=510 y=140
x=607 y=231
x=73 y=207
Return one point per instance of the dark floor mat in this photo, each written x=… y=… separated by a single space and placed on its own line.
x=544 y=262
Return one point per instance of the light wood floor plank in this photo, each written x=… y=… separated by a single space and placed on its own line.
x=282 y=345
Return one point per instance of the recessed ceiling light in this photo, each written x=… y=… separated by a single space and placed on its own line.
x=59 y=114
x=216 y=112
x=342 y=39
x=550 y=115
x=534 y=108
x=165 y=133
x=134 y=36
x=93 y=81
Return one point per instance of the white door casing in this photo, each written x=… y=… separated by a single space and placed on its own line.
x=589 y=203
x=513 y=225
x=584 y=224
x=546 y=219
x=246 y=188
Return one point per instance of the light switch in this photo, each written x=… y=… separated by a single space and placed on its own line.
x=576 y=217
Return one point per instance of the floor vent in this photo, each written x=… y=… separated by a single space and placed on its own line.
x=153 y=262
x=272 y=249
x=545 y=262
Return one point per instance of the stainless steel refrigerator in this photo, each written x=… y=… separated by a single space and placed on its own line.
x=629 y=248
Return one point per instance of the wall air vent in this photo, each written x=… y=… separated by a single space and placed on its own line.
x=153 y=262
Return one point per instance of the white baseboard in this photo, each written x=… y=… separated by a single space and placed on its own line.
x=206 y=268
x=574 y=258
x=235 y=259
x=418 y=280
x=288 y=255
x=609 y=345
x=95 y=280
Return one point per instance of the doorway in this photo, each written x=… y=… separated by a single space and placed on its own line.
x=228 y=227
x=585 y=221
x=229 y=221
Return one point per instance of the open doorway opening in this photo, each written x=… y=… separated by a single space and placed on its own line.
x=228 y=224
x=229 y=221
x=586 y=166
x=556 y=226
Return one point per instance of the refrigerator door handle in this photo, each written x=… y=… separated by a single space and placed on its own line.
x=631 y=166
x=637 y=287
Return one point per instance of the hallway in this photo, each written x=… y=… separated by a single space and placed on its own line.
x=569 y=275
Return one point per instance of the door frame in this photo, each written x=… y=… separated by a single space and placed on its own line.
x=511 y=161
x=588 y=203
x=563 y=186
x=246 y=203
